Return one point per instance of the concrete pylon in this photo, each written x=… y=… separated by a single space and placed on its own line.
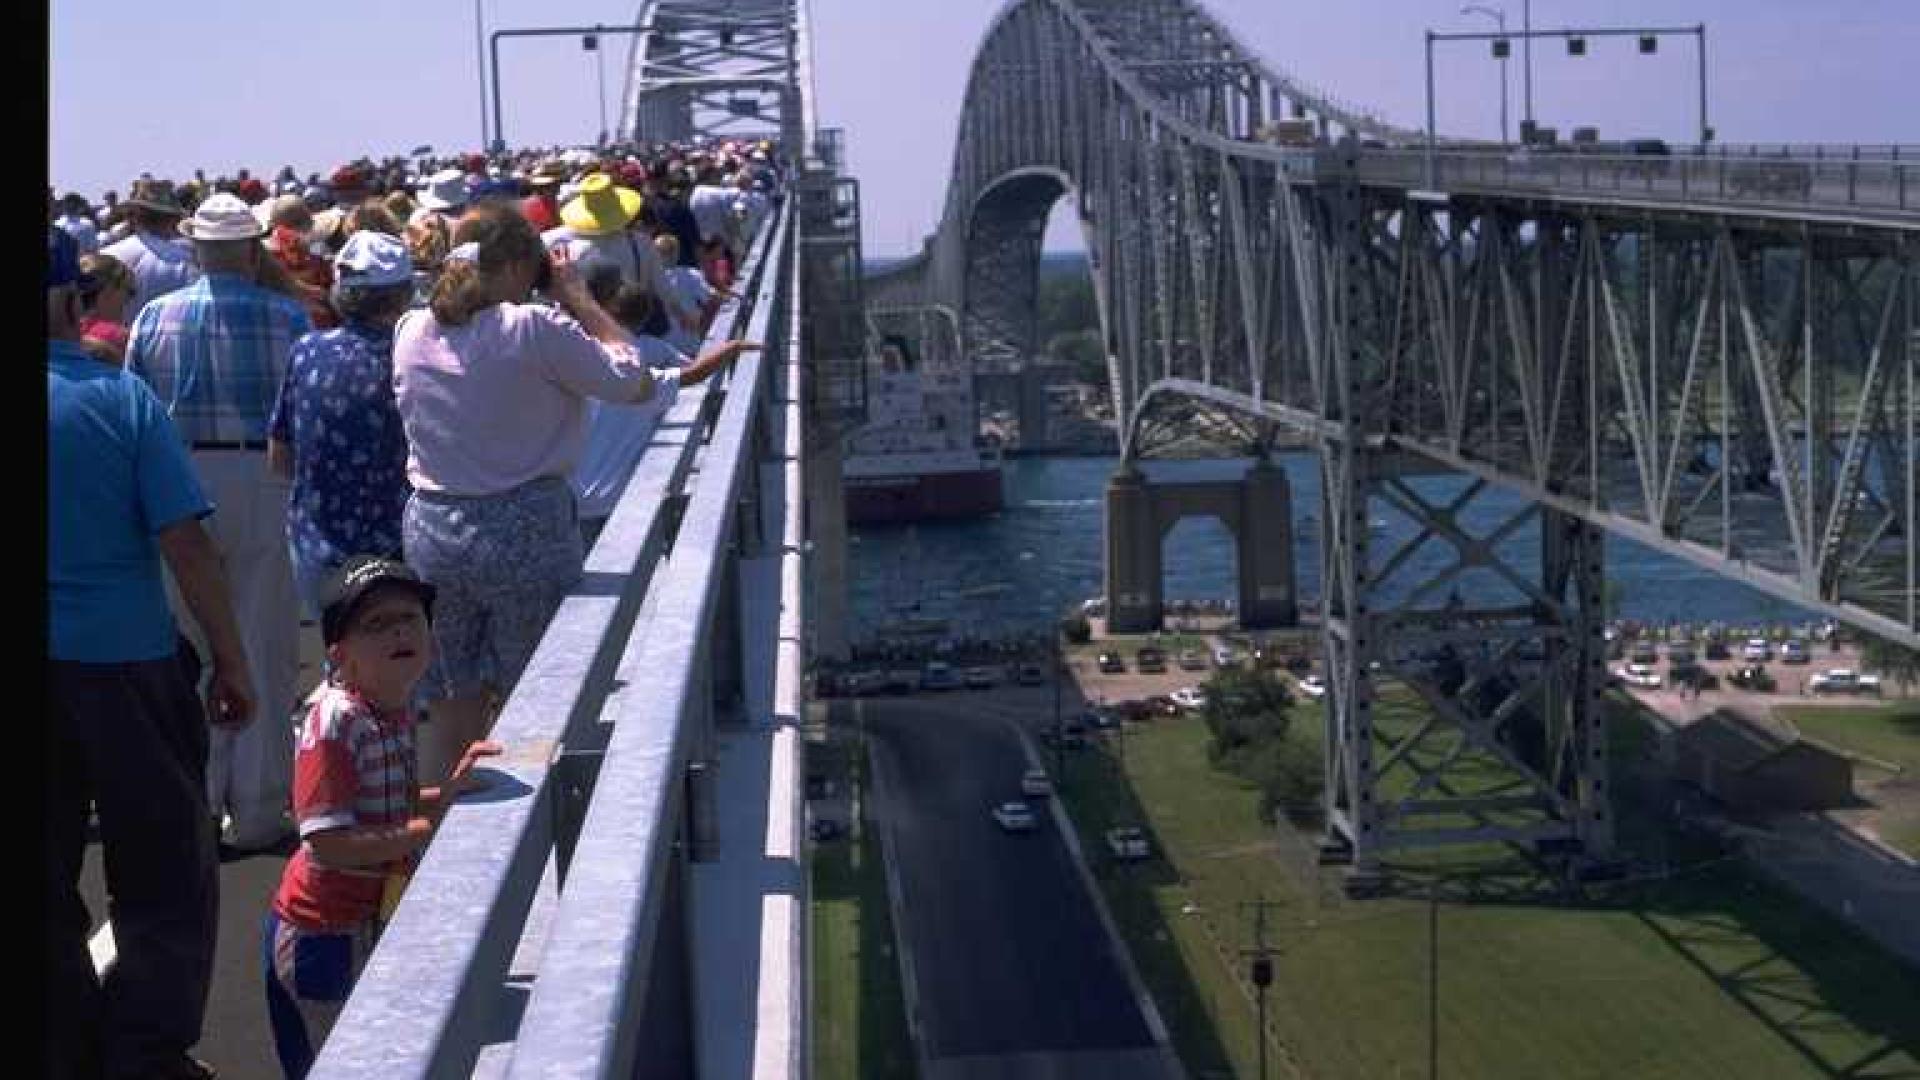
x=1267 y=598
x=1133 y=554
x=1032 y=393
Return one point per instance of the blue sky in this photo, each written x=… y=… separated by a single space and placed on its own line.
x=224 y=83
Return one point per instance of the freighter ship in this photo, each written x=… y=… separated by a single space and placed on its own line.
x=920 y=456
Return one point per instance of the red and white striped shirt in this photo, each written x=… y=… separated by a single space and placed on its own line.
x=355 y=767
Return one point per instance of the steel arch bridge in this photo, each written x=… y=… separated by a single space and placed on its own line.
x=1713 y=354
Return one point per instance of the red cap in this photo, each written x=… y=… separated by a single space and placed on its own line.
x=347 y=177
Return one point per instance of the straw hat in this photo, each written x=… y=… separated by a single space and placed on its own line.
x=601 y=207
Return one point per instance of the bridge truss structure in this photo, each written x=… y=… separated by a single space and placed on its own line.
x=1712 y=354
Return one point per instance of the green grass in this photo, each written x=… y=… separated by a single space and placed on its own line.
x=1711 y=974
x=860 y=1021
x=1889 y=732
x=1886 y=733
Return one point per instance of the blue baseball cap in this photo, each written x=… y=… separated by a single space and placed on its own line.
x=63 y=261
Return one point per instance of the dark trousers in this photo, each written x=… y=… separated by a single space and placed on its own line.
x=130 y=740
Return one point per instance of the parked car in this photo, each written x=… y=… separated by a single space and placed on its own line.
x=938 y=675
x=1150 y=659
x=866 y=683
x=1756 y=651
x=1314 y=686
x=1189 y=697
x=1014 y=816
x=1717 y=649
x=1843 y=681
x=1693 y=674
x=1795 y=651
x=1029 y=675
x=1192 y=660
x=1645 y=676
x=1111 y=663
x=1224 y=657
x=980 y=678
x=1035 y=782
x=1642 y=653
x=1128 y=843
x=1754 y=677
x=1680 y=654
x=902 y=681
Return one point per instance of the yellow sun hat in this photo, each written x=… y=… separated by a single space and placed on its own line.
x=601 y=207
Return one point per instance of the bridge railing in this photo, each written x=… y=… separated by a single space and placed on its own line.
x=606 y=736
x=1809 y=183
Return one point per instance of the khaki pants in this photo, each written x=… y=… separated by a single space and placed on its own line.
x=250 y=772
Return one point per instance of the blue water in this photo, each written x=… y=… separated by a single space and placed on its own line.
x=1020 y=569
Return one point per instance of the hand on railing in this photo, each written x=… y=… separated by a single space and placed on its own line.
x=714 y=359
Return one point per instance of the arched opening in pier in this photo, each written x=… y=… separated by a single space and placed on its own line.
x=1030 y=318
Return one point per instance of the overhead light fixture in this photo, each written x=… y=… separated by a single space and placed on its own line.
x=591 y=42
x=1501 y=48
x=1649 y=43
x=1576 y=46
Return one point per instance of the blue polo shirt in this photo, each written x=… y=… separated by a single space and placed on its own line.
x=117 y=474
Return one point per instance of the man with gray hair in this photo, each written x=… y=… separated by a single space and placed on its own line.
x=215 y=353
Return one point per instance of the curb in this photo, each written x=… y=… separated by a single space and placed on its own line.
x=896 y=903
x=1148 y=1010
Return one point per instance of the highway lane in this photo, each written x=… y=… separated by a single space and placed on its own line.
x=1013 y=974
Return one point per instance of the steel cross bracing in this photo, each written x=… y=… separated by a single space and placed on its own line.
x=1714 y=355
x=716 y=69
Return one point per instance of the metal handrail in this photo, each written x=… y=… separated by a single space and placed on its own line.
x=583 y=1016
x=1804 y=184
x=423 y=1002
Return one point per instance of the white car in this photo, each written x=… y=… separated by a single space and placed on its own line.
x=1014 y=816
x=1035 y=782
x=1314 y=686
x=1645 y=676
x=1128 y=844
x=1224 y=657
x=1756 y=651
x=1843 y=681
x=1189 y=697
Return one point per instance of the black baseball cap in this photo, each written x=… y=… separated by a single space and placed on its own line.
x=357 y=581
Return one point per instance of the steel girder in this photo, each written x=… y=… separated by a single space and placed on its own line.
x=720 y=68
x=1677 y=356
x=1732 y=385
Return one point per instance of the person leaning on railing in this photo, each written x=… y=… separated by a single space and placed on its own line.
x=493 y=392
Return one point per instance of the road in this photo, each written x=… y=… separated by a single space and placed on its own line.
x=1012 y=973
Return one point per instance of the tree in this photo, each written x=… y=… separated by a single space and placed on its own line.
x=1076 y=629
x=1891 y=660
x=1249 y=714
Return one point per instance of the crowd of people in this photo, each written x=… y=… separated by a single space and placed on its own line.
x=396 y=403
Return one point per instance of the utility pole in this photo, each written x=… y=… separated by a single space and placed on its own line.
x=1059 y=735
x=1262 y=970
x=1433 y=979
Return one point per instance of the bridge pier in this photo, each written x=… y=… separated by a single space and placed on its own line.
x=1256 y=509
x=1455 y=721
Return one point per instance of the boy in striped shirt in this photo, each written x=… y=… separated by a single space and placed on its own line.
x=362 y=816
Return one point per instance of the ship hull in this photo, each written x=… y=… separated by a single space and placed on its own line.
x=882 y=500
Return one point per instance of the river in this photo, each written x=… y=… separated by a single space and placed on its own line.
x=1017 y=570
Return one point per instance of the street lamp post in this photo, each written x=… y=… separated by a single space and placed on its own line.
x=1500 y=18
x=480 y=65
x=1526 y=66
